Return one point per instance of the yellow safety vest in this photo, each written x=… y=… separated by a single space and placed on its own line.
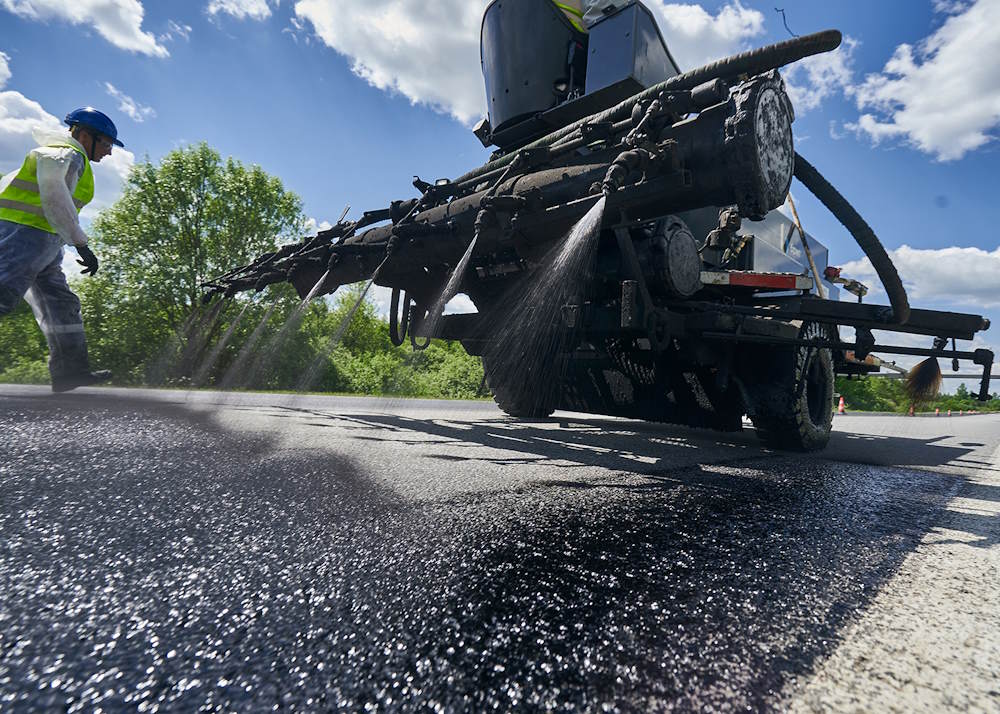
x=21 y=201
x=573 y=10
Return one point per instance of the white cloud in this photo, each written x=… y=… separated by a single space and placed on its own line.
x=956 y=276
x=174 y=30
x=381 y=298
x=4 y=69
x=942 y=96
x=297 y=29
x=950 y=7
x=117 y=21
x=696 y=37
x=135 y=111
x=19 y=115
x=811 y=80
x=429 y=52
x=241 y=9
x=461 y=304
x=312 y=226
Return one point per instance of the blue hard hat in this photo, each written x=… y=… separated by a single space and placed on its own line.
x=93 y=119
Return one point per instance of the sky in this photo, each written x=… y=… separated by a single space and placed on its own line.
x=347 y=100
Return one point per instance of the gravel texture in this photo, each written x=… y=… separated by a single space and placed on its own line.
x=160 y=552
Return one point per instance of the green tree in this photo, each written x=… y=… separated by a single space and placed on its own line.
x=187 y=219
x=177 y=224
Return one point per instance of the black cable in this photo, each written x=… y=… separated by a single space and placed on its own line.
x=394 y=327
x=861 y=232
x=784 y=20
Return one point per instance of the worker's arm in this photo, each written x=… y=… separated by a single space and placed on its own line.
x=58 y=172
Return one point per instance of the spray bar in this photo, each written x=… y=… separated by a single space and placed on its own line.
x=981 y=357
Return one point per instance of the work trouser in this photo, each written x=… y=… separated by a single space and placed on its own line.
x=31 y=268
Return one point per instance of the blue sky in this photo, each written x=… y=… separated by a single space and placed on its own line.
x=346 y=100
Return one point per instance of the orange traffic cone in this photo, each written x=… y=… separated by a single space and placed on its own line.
x=842 y=408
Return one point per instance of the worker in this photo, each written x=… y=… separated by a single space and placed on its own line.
x=39 y=207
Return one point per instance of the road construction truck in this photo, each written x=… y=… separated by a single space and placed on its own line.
x=623 y=246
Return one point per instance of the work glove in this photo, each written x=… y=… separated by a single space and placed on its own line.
x=88 y=260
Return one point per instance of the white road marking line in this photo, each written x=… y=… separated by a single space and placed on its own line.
x=930 y=640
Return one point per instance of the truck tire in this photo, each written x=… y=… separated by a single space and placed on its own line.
x=520 y=401
x=524 y=388
x=791 y=394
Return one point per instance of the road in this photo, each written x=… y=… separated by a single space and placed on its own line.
x=236 y=552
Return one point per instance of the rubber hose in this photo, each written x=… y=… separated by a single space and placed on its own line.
x=394 y=334
x=861 y=232
x=752 y=62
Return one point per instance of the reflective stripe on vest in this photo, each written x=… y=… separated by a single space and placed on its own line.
x=21 y=201
x=573 y=10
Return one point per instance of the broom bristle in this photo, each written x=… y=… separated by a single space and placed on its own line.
x=923 y=383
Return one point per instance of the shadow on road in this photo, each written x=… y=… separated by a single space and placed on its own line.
x=633 y=446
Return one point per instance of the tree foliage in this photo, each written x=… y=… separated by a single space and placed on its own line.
x=180 y=222
x=21 y=342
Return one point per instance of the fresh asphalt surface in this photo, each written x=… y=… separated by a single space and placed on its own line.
x=176 y=551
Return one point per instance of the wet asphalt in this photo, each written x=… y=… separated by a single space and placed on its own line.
x=171 y=552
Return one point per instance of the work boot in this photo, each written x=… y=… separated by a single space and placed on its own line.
x=80 y=379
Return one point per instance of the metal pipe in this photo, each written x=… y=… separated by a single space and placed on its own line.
x=799 y=342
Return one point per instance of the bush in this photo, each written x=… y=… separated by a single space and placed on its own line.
x=20 y=339
x=445 y=370
x=25 y=372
